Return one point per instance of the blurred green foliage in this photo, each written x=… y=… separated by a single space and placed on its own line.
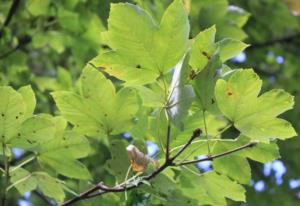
x=46 y=43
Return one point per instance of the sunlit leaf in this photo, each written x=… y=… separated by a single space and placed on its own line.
x=142 y=45
x=255 y=116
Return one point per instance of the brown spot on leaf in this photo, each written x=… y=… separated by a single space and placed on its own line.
x=206 y=55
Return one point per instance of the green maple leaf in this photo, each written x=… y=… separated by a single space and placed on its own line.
x=98 y=110
x=25 y=181
x=255 y=116
x=69 y=145
x=208 y=188
x=17 y=124
x=204 y=48
x=207 y=57
x=142 y=50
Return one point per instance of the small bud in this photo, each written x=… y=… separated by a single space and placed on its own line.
x=197 y=132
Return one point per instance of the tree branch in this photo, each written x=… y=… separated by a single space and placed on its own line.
x=168 y=141
x=287 y=39
x=125 y=186
x=23 y=40
x=11 y=12
x=196 y=133
x=212 y=157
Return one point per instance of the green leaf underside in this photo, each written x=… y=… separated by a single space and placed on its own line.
x=141 y=45
x=12 y=107
x=205 y=81
x=67 y=166
x=70 y=146
x=99 y=110
x=230 y=48
x=258 y=121
x=25 y=181
x=119 y=162
x=214 y=192
x=204 y=48
x=29 y=99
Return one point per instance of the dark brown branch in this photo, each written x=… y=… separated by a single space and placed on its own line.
x=125 y=186
x=11 y=12
x=196 y=133
x=287 y=39
x=212 y=157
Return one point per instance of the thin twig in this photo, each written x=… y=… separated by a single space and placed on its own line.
x=11 y=12
x=196 y=133
x=168 y=141
x=206 y=135
x=212 y=157
x=287 y=39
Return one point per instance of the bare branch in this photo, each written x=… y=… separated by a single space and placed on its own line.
x=212 y=157
x=196 y=133
x=288 y=39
